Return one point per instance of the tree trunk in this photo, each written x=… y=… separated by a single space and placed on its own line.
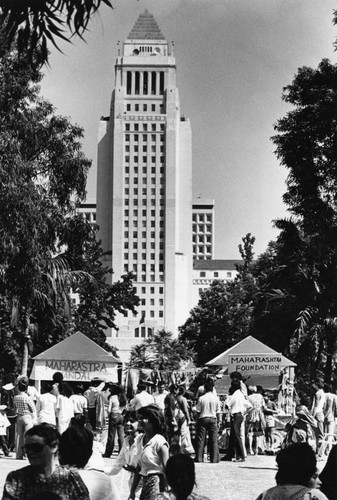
x=24 y=369
x=25 y=354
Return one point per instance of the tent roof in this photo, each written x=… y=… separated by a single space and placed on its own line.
x=249 y=345
x=77 y=347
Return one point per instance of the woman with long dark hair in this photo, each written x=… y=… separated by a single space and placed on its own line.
x=117 y=403
x=153 y=454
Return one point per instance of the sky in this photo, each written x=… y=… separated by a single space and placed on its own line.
x=233 y=59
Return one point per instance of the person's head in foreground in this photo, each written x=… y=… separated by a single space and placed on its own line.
x=41 y=446
x=297 y=475
x=297 y=465
x=75 y=447
x=180 y=475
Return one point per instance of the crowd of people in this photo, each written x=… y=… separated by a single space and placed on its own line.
x=66 y=432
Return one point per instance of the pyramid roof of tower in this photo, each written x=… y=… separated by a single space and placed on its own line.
x=146 y=28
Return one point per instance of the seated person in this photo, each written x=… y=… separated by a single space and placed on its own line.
x=75 y=449
x=43 y=474
x=297 y=475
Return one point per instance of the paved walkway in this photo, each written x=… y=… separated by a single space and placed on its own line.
x=223 y=481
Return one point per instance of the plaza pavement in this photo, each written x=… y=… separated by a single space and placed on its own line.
x=223 y=481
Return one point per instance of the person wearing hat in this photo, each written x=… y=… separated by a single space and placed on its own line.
x=92 y=394
x=4 y=423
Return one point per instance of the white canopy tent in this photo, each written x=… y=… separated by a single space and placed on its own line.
x=258 y=363
x=78 y=358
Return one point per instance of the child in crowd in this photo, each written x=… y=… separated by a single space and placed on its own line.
x=4 y=423
x=270 y=410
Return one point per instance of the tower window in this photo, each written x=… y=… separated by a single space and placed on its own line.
x=137 y=80
x=128 y=82
x=153 y=83
x=161 y=82
x=145 y=82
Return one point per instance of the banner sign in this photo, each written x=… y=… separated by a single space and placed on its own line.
x=255 y=364
x=74 y=370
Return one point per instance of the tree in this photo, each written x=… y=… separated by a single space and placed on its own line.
x=33 y=24
x=223 y=315
x=306 y=144
x=42 y=177
x=160 y=352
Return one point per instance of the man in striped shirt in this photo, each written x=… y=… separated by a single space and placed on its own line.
x=25 y=409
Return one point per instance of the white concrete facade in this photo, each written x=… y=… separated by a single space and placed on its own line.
x=207 y=271
x=203 y=229
x=144 y=186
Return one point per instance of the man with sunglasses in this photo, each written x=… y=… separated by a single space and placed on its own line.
x=43 y=473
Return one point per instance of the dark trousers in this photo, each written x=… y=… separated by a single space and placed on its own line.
x=11 y=433
x=92 y=417
x=207 y=426
x=3 y=445
x=115 y=425
x=235 y=447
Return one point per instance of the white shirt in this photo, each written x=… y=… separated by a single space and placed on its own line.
x=46 y=409
x=208 y=405
x=159 y=399
x=129 y=454
x=141 y=399
x=100 y=486
x=237 y=403
x=33 y=393
x=150 y=461
x=80 y=403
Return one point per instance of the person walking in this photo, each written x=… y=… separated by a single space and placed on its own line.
x=117 y=403
x=132 y=446
x=237 y=405
x=153 y=454
x=26 y=412
x=46 y=406
x=209 y=413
